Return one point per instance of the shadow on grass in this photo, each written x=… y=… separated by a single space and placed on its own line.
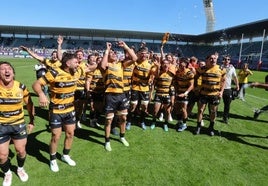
x=230 y=136
x=239 y=138
x=34 y=147
x=88 y=135
x=42 y=113
x=236 y=116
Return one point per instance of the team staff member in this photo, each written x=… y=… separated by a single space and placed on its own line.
x=12 y=124
x=62 y=83
x=211 y=90
x=115 y=98
x=227 y=93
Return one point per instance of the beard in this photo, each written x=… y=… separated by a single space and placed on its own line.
x=72 y=71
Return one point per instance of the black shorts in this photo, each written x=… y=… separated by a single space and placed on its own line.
x=212 y=100
x=8 y=132
x=162 y=99
x=140 y=96
x=193 y=96
x=96 y=97
x=80 y=95
x=57 y=120
x=182 y=99
x=115 y=102
x=128 y=94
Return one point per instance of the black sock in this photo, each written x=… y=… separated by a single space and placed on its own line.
x=66 y=151
x=107 y=139
x=20 y=161
x=211 y=125
x=5 y=166
x=53 y=156
x=122 y=135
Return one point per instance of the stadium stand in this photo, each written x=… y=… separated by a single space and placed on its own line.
x=226 y=41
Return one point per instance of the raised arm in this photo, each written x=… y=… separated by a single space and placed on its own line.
x=259 y=85
x=59 y=52
x=34 y=55
x=162 y=55
x=104 y=62
x=133 y=57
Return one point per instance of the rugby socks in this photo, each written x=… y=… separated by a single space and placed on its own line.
x=53 y=156
x=5 y=166
x=107 y=139
x=20 y=161
x=66 y=151
x=211 y=125
x=122 y=135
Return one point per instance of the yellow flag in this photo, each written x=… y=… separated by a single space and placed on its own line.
x=165 y=38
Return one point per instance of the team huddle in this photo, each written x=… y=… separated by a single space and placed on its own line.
x=119 y=87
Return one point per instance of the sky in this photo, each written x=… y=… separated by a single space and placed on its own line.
x=174 y=16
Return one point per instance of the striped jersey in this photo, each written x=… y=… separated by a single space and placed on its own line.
x=97 y=82
x=211 y=79
x=128 y=71
x=62 y=87
x=81 y=70
x=11 y=104
x=114 y=78
x=163 y=83
x=183 y=80
x=51 y=64
x=141 y=75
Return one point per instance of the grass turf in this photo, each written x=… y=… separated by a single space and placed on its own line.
x=237 y=155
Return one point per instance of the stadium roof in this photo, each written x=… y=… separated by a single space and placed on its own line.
x=250 y=30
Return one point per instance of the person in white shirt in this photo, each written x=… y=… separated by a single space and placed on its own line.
x=227 y=93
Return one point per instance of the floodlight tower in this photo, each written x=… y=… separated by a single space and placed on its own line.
x=209 y=10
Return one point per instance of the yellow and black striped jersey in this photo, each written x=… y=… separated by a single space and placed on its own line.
x=11 y=104
x=163 y=83
x=141 y=75
x=211 y=79
x=97 y=81
x=128 y=77
x=114 y=78
x=81 y=70
x=183 y=80
x=62 y=87
x=52 y=64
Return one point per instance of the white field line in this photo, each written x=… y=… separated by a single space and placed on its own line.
x=250 y=95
